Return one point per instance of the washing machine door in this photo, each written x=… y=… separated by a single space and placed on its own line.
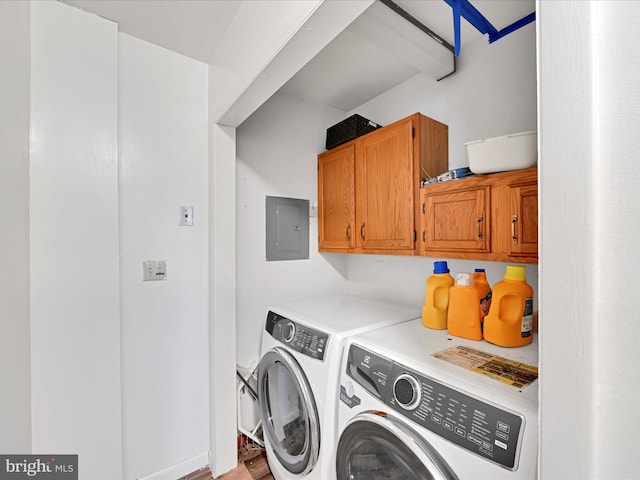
x=374 y=446
x=288 y=411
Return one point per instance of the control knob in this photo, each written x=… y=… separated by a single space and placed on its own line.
x=288 y=331
x=407 y=391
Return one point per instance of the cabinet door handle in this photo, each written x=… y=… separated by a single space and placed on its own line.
x=349 y=232
x=480 y=218
x=514 y=237
x=424 y=236
x=362 y=231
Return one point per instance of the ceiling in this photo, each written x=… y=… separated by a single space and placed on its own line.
x=190 y=27
x=378 y=51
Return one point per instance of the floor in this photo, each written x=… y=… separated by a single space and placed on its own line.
x=252 y=465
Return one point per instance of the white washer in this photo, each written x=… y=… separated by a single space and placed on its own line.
x=301 y=353
x=403 y=413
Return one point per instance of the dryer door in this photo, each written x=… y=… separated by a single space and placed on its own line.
x=288 y=411
x=374 y=446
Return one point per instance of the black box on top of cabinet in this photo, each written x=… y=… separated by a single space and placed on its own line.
x=348 y=129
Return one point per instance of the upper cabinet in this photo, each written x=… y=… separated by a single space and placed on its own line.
x=336 y=198
x=370 y=200
x=456 y=219
x=483 y=217
x=368 y=188
x=516 y=211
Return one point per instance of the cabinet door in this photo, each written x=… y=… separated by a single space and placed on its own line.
x=385 y=189
x=456 y=220
x=336 y=198
x=524 y=220
x=515 y=215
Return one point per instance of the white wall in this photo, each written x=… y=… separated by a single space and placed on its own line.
x=277 y=150
x=589 y=101
x=403 y=279
x=568 y=231
x=15 y=351
x=617 y=328
x=75 y=319
x=93 y=221
x=222 y=299
x=493 y=93
x=163 y=146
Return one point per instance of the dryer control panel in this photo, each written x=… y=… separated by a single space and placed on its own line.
x=480 y=427
x=296 y=336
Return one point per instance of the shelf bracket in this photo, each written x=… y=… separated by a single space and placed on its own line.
x=464 y=8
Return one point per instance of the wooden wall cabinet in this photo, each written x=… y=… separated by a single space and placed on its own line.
x=336 y=199
x=369 y=188
x=468 y=232
x=483 y=217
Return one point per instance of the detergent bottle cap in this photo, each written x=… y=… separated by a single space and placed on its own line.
x=465 y=280
x=440 y=267
x=514 y=272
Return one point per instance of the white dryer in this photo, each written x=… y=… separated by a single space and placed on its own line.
x=301 y=353
x=405 y=413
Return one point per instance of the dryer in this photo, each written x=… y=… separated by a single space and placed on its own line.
x=301 y=354
x=418 y=403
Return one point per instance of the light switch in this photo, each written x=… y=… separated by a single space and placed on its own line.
x=149 y=268
x=186 y=216
x=154 y=270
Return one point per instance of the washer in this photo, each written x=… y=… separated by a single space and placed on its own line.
x=405 y=413
x=301 y=354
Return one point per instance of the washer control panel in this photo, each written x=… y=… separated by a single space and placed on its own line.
x=480 y=427
x=296 y=336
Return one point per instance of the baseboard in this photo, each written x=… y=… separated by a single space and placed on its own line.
x=181 y=469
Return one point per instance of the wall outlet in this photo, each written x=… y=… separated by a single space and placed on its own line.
x=161 y=272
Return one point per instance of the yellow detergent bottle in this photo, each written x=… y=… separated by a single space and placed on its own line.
x=464 y=318
x=484 y=289
x=434 y=310
x=510 y=319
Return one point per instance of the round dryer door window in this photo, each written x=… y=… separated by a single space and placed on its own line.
x=374 y=446
x=288 y=411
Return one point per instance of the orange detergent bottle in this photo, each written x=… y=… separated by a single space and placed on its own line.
x=436 y=304
x=484 y=289
x=464 y=318
x=510 y=318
